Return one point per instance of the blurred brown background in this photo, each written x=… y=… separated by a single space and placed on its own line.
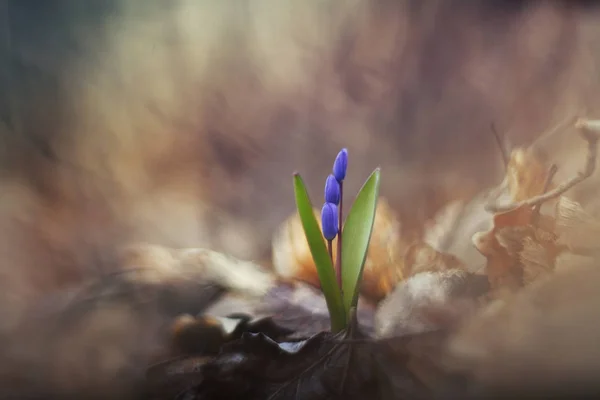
x=181 y=122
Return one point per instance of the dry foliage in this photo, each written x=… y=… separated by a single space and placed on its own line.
x=172 y=123
x=422 y=257
x=539 y=314
x=425 y=290
x=522 y=244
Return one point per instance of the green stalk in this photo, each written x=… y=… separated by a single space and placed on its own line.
x=316 y=243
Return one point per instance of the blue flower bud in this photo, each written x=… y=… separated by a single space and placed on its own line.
x=329 y=220
x=332 y=190
x=340 y=165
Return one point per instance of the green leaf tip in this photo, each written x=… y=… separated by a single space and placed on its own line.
x=320 y=255
x=356 y=237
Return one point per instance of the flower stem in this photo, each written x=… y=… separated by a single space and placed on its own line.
x=330 y=250
x=338 y=267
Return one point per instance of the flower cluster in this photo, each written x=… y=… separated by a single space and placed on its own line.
x=340 y=280
x=330 y=213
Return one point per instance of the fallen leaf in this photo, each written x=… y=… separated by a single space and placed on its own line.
x=576 y=229
x=447 y=230
x=302 y=308
x=429 y=301
x=501 y=246
x=526 y=174
x=421 y=257
x=258 y=367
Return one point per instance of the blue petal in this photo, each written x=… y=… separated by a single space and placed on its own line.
x=329 y=220
x=332 y=190
x=340 y=165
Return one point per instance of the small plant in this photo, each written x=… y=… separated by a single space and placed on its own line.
x=340 y=283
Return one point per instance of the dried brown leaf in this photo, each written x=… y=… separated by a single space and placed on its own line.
x=428 y=301
x=537 y=258
x=522 y=244
x=577 y=230
x=526 y=174
x=589 y=132
x=503 y=267
x=517 y=251
x=421 y=257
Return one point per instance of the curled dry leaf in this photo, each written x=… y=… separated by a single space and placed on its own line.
x=590 y=132
x=516 y=250
x=421 y=257
x=383 y=268
x=526 y=174
x=522 y=244
x=577 y=230
x=455 y=222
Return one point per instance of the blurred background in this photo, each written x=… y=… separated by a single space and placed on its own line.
x=181 y=122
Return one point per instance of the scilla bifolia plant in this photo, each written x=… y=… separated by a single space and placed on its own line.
x=341 y=284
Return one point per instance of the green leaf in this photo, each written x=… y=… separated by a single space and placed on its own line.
x=356 y=235
x=320 y=255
